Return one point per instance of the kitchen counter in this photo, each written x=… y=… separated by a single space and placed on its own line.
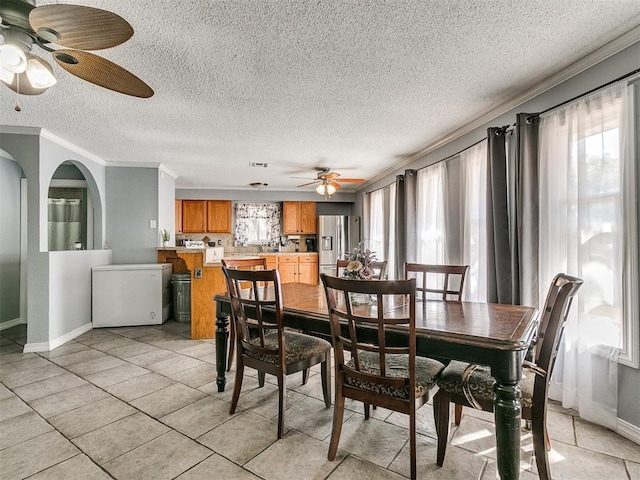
x=207 y=279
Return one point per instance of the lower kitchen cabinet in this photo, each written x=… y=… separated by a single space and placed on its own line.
x=298 y=268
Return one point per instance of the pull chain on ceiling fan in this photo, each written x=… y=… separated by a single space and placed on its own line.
x=76 y=27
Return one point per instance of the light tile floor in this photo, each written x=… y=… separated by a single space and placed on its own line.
x=142 y=403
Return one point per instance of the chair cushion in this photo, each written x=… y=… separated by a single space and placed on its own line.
x=298 y=347
x=397 y=366
x=481 y=382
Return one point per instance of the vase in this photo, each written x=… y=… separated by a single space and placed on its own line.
x=165 y=243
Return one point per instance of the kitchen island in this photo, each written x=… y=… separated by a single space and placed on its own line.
x=207 y=279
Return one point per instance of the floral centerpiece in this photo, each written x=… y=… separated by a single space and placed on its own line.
x=359 y=266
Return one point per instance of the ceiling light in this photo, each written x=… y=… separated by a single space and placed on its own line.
x=39 y=72
x=37 y=78
x=259 y=185
x=326 y=189
x=12 y=58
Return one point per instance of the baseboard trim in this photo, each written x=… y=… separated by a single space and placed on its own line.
x=36 y=347
x=56 y=342
x=11 y=323
x=70 y=336
x=628 y=430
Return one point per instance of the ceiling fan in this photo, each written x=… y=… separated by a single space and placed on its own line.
x=79 y=28
x=328 y=181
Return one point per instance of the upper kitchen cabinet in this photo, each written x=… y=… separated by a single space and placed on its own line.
x=178 y=216
x=298 y=217
x=219 y=216
x=194 y=216
x=205 y=216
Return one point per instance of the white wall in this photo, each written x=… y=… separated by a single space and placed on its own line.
x=10 y=174
x=166 y=205
x=70 y=291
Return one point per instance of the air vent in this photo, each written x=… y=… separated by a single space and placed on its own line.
x=258 y=164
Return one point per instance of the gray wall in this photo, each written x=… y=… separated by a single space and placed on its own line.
x=262 y=195
x=606 y=71
x=131 y=203
x=10 y=174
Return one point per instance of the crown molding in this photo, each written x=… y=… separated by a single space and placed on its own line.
x=586 y=62
x=70 y=146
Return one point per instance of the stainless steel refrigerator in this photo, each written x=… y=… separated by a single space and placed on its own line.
x=337 y=234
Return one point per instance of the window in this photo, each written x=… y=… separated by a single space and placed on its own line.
x=257 y=224
x=588 y=215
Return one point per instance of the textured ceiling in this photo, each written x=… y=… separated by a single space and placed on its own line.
x=353 y=85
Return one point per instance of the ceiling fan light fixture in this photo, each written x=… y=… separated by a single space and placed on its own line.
x=13 y=58
x=6 y=76
x=40 y=73
x=325 y=189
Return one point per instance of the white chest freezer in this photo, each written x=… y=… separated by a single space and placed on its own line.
x=126 y=295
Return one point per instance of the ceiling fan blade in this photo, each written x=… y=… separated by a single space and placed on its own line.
x=102 y=72
x=75 y=26
x=310 y=183
x=352 y=180
x=335 y=185
x=330 y=175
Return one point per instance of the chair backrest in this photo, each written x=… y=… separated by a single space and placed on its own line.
x=245 y=263
x=379 y=269
x=348 y=319
x=446 y=282
x=554 y=315
x=248 y=304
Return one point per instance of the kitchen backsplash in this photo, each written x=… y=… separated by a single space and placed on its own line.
x=227 y=241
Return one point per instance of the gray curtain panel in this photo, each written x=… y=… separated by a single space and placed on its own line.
x=526 y=211
x=410 y=215
x=499 y=276
x=401 y=256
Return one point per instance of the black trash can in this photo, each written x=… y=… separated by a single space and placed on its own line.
x=181 y=297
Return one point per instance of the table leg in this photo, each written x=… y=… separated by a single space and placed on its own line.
x=222 y=339
x=507 y=414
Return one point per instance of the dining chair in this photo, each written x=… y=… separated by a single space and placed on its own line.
x=379 y=268
x=472 y=385
x=390 y=376
x=258 y=263
x=262 y=341
x=445 y=281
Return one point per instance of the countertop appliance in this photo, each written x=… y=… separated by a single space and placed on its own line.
x=194 y=244
x=337 y=234
x=127 y=295
x=310 y=244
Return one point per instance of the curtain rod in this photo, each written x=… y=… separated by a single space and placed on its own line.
x=434 y=163
x=626 y=75
x=380 y=188
x=453 y=155
x=507 y=127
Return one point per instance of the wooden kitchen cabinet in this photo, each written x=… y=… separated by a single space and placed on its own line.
x=194 y=216
x=298 y=269
x=205 y=216
x=272 y=262
x=308 y=269
x=298 y=218
x=178 y=216
x=218 y=216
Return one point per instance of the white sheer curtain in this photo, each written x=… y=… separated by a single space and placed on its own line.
x=64 y=223
x=430 y=222
x=374 y=241
x=587 y=229
x=473 y=183
x=381 y=223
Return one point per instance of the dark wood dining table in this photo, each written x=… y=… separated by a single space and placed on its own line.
x=490 y=334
